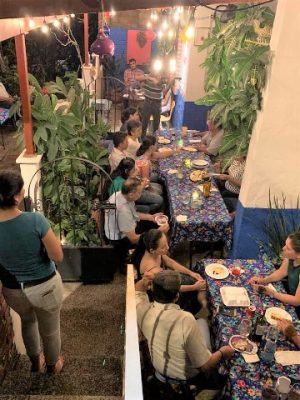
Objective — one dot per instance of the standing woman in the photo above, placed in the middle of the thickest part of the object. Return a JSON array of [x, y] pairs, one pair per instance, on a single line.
[[31, 285]]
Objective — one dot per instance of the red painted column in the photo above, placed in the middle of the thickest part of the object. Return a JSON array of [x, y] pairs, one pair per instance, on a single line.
[[86, 38], [24, 91]]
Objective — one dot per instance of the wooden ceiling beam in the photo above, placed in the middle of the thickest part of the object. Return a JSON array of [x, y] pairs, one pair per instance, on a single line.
[[35, 8]]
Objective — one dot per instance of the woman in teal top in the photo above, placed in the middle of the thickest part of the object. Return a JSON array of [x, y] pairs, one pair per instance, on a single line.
[[31, 285], [289, 268]]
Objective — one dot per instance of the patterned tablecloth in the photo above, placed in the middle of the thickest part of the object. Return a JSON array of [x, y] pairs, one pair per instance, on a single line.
[[211, 222], [4, 113], [246, 380]]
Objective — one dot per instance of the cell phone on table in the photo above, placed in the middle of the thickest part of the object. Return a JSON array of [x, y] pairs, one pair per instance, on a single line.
[[228, 311]]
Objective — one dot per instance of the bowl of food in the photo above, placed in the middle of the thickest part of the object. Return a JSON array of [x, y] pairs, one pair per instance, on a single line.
[[161, 219], [243, 345], [197, 176]]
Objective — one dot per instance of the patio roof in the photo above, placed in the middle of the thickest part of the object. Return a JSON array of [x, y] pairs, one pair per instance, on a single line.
[[22, 8]]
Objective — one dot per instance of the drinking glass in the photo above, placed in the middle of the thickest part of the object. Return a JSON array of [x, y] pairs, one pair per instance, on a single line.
[[245, 327], [236, 269]]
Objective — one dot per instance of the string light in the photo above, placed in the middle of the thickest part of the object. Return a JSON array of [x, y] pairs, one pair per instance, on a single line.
[[190, 32], [172, 65], [45, 27], [164, 25], [66, 19], [155, 17], [149, 25], [157, 65], [176, 16], [31, 23], [72, 15], [159, 34], [112, 12], [56, 23], [170, 34]]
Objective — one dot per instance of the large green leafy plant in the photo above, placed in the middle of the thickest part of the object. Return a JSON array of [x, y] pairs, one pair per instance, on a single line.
[[63, 124], [236, 70]]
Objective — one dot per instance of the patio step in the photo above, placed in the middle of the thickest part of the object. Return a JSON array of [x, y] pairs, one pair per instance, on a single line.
[[87, 378]]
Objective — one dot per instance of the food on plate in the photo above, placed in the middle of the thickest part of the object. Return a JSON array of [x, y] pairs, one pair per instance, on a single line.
[[189, 148], [217, 270], [276, 317], [242, 344], [163, 140], [197, 176]]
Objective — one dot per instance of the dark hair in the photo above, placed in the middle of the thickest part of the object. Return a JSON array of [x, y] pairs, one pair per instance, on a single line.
[[147, 142], [133, 125], [148, 241], [132, 60], [295, 238], [119, 138], [165, 286], [130, 185], [11, 183], [123, 169], [127, 112]]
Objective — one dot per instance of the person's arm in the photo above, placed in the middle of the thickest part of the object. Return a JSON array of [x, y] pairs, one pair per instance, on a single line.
[[53, 246], [276, 276], [229, 178], [180, 268], [160, 155], [288, 329], [284, 297], [132, 237], [225, 352]]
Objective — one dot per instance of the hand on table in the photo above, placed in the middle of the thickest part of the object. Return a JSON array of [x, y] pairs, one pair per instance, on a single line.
[[287, 328], [227, 352], [256, 280], [199, 285]]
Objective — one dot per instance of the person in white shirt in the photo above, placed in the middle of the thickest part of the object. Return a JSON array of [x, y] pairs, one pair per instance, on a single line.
[[5, 99], [134, 133], [211, 139], [120, 141], [178, 347]]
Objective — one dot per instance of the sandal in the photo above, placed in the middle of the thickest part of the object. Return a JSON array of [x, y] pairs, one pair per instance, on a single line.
[[57, 367], [38, 363]]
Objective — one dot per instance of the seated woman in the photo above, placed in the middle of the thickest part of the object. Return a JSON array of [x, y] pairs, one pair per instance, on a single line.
[[149, 202], [289, 268], [129, 114], [230, 183], [151, 256]]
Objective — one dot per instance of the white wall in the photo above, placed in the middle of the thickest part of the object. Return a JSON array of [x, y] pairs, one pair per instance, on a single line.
[[274, 154]]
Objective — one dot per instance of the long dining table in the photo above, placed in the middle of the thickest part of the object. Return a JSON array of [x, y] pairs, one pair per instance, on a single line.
[[246, 380], [209, 222]]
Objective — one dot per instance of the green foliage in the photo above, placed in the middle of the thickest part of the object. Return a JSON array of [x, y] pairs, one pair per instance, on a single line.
[[236, 70], [63, 124], [277, 226]]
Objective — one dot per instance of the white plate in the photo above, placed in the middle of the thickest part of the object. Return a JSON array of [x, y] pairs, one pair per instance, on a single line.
[[237, 337], [217, 271], [162, 149], [162, 140], [234, 296], [200, 163], [276, 311]]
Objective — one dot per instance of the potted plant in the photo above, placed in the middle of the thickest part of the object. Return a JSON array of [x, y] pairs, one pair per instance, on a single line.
[[66, 134]]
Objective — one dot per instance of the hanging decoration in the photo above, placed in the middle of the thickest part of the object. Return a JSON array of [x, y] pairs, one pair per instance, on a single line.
[[103, 45]]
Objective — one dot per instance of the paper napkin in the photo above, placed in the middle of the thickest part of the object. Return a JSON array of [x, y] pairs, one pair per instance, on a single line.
[[181, 218], [287, 357], [172, 171], [250, 358]]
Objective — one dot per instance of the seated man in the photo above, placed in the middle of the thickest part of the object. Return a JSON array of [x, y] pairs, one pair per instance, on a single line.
[[177, 345], [211, 140], [5, 99], [129, 114], [124, 225], [120, 141], [131, 74]]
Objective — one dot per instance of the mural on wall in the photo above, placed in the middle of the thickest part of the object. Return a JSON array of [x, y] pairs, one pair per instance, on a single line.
[[139, 45]]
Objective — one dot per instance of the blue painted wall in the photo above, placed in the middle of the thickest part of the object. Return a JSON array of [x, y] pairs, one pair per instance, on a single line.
[[248, 229], [194, 116]]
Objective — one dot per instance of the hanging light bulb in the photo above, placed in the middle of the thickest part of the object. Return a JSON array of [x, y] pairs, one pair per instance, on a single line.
[[149, 25], [157, 65], [170, 34], [190, 32], [176, 16], [31, 23], [112, 12], [72, 15], [159, 34], [180, 9], [45, 27], [164, 25], [155, 16], [66, 19], [56, 23], [173, 65]]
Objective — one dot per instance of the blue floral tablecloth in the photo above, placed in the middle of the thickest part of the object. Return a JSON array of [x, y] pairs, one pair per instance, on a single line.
[[4, 114], [211, 222], [246, 380]]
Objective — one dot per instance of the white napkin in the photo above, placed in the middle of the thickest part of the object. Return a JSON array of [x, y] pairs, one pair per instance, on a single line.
[[181, 218], [172, 171], [250, 358], [212, 189], [287, 357], [195, 141]]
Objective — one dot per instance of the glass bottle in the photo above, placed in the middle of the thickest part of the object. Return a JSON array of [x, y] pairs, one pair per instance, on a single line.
[[196, 199], [259, 328]]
